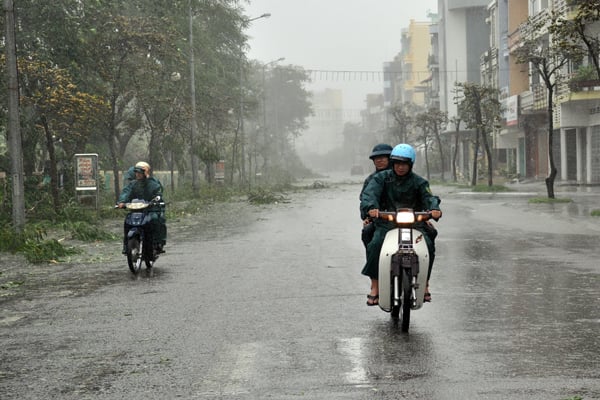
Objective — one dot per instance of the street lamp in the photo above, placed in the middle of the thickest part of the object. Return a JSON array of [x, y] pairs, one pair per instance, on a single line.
[[265, 15], [264, 110], [242, 135]]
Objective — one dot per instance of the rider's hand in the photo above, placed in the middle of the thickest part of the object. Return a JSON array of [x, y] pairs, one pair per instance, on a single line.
[[436, 214], [366, 221], [121, 205], [374, 213]]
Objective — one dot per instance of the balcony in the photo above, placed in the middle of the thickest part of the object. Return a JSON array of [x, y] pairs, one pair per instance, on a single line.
[[526, 102], [534, 100], [583, 85]]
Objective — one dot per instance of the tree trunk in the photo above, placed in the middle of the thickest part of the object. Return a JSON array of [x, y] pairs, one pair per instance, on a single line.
[[427, 161], [475, 151], [488, 155], [455, 153], [13, 128], [441, 150], [552, 176], [53, 168]]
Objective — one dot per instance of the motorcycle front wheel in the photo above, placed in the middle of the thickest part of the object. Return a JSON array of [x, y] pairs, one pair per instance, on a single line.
[[406, 301], [402, 311], [134, 255]]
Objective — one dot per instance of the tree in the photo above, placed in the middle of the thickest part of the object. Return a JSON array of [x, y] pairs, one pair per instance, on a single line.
[[14, 133], [456, 121], [480, 109], [547, 54], [577, 28], [432, 122], [63, 113], [287, 109], [404, 119]]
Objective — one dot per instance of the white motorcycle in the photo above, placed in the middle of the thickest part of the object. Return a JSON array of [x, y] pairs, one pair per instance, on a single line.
[[403, 265]]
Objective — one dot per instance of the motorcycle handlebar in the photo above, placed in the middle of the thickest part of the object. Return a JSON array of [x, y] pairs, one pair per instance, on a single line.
[[391, 215]]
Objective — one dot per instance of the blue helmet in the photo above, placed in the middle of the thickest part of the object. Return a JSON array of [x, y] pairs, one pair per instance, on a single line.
[[381, 149], [403, 152]]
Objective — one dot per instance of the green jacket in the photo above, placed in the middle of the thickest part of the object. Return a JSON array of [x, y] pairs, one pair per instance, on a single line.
[[387, 191], [145, 189], [365, 184]]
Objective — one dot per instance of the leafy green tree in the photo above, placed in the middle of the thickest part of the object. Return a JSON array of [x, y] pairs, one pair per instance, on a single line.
[[60, 111], [579, 28], [547, 55], [287, 108]]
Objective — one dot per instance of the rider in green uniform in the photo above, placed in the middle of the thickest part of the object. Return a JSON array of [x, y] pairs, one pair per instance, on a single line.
[[391, 190], [146, 187], [380, 155]]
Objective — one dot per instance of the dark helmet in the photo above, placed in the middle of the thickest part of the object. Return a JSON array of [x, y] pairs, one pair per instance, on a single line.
[[404, 153], [381, 149]]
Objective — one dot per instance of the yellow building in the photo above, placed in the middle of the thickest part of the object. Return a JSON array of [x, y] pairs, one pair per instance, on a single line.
[[416, 46]]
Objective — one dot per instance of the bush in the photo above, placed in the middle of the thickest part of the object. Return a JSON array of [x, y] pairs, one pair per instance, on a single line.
[[32, 244]]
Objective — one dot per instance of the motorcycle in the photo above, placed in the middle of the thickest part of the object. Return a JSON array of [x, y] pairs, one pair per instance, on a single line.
[[403, 265], [139, 246]]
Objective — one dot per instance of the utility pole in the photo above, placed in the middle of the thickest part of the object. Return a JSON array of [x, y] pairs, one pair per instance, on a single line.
[[194, 156], [14, 131]]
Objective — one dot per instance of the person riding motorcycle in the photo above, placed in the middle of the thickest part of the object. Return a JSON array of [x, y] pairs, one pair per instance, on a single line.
[[380, 155], [145, 187], [390, 190]]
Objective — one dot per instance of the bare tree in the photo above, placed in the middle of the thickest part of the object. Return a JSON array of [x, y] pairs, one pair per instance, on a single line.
[[480, 109], [404, 119]]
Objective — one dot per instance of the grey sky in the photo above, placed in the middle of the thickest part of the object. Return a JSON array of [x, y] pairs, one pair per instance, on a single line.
[[334, 35]]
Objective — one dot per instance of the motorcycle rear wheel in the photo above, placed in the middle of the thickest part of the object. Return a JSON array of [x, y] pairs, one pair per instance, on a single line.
[[134, 255]]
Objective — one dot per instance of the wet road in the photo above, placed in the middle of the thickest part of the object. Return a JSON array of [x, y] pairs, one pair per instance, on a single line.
[[276, 309]]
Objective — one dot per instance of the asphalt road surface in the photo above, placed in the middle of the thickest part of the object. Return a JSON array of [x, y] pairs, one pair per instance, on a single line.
[[268, 303]]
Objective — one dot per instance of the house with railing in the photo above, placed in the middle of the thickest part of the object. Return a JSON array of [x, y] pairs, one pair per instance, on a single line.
[[576, 111]]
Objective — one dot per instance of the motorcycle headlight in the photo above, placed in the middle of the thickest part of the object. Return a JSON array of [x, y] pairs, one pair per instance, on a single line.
[[405, 217], [135, 205]]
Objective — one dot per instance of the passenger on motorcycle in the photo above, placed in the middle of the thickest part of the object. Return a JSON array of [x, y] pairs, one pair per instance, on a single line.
[[147, 188], [390, 190], [380, 155]]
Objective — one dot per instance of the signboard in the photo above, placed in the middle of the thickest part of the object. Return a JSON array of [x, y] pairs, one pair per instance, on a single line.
[[511, 112], [86, 171], [86, 178]]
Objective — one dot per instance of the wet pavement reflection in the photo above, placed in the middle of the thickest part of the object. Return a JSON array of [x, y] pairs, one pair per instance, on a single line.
[[253, 302]]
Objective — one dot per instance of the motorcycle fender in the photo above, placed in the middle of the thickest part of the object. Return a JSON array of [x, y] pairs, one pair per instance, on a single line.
[[389, 248], [422, 251], [132, 233]]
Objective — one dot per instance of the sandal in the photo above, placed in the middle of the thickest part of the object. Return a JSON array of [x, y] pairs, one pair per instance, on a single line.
[[427, 297], [372, 300]]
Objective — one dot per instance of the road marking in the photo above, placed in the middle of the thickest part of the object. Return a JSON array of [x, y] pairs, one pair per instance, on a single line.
[[353, 349]]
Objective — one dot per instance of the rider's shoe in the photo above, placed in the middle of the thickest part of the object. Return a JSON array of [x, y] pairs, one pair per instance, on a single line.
[[159, 249], [124, 251]]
